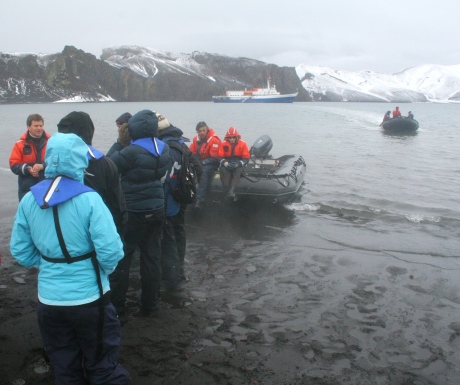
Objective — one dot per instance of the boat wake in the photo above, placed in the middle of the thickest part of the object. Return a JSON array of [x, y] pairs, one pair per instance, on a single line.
[[362, 213], [301, 206]]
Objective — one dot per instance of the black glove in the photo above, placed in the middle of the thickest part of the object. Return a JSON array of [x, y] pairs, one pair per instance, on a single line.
[[231, 166]]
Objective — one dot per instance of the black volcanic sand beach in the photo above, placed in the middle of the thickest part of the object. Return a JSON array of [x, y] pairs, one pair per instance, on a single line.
[[260, 308]]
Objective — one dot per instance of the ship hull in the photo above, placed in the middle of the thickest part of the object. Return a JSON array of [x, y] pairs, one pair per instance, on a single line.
[[255, 99]]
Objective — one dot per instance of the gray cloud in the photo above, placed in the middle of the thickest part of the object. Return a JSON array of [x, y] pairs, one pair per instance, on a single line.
[[353, 35]]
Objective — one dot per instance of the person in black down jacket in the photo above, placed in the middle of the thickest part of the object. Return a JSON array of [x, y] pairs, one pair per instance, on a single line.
[[101, 174], [143, 165]]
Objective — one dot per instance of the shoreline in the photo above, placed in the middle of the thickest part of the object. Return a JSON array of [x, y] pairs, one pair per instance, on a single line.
[[266, 309]]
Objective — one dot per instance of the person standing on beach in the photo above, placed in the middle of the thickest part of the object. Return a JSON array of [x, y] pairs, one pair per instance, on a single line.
[[122, 119], [64, 229], [28, 154], [123, 135], [205, 147], [102, 174], [174, 240], [144, 165]]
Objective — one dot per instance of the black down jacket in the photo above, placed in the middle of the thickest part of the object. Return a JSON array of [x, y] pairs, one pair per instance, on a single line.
[[143, 170]]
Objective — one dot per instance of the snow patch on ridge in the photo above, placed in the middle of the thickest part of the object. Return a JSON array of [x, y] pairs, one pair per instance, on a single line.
[[416, 84], [85, 98]]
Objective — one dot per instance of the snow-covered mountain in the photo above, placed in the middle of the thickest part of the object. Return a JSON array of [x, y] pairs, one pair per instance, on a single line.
[[423, 83], [148, 62], [132, 73]]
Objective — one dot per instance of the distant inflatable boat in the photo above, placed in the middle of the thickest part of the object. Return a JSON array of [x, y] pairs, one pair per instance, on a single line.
[[400, 125], [256, 95], [266, 179]]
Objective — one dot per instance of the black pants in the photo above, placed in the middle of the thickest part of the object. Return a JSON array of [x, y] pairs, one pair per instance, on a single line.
[[170, 268], [69, 335], [143, 230], [179, 233]]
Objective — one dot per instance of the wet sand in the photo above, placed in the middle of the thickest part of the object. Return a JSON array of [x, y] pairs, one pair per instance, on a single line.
[[262, 306]]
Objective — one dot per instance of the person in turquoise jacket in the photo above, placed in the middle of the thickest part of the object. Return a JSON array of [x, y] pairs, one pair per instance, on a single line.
[[64, 229]]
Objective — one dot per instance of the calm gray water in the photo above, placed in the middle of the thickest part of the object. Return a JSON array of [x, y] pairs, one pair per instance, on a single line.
[[365, 188], [356, 283]]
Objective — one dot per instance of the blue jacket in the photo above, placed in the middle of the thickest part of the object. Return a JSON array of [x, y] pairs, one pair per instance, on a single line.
[[86, 225], [143, 165]]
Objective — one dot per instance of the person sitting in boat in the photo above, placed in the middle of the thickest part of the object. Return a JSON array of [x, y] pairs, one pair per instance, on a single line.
[[387, 116], [233, 156], [205, 146], [396, 113], [410, 115]]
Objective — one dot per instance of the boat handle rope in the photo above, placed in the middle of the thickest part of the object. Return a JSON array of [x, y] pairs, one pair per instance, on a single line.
[[299, 162]]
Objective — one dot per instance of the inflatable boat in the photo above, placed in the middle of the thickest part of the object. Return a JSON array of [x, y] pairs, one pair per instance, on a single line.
[[400, 125], [266, 179]]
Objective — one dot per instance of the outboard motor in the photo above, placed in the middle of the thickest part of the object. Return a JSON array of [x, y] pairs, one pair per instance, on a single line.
[[261, 147]]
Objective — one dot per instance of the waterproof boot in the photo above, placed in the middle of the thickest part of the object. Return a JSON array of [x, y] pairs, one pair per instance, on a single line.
[[231, 192]]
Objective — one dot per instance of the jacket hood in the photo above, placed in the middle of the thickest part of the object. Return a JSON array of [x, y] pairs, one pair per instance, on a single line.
[[78, 123], [143, 124], [210, 133], [171, 131], [66, 154], [232, 131]]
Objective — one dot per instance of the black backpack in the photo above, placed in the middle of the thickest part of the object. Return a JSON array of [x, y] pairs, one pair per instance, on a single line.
[[187, 178]]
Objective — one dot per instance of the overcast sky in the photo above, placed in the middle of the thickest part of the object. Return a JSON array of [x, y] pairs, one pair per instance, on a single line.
[[382, 36]]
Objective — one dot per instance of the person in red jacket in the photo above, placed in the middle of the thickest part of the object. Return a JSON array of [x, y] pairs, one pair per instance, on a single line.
[[28, 155], [205, 147], [233, 156], [396, 113]]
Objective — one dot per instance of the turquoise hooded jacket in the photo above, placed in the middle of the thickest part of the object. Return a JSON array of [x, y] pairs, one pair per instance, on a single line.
[[86, 225]]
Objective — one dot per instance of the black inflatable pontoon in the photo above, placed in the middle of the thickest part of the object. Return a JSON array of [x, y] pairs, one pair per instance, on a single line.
[[266, 179], [400, 125]]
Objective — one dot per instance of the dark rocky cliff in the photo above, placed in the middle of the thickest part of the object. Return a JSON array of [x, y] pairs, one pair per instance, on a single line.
[[134, 74]]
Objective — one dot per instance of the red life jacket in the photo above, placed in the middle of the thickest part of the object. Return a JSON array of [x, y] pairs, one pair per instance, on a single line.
[[207, 148]]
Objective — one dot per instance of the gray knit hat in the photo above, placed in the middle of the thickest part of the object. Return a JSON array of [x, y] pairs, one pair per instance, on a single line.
[[163, 123]]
